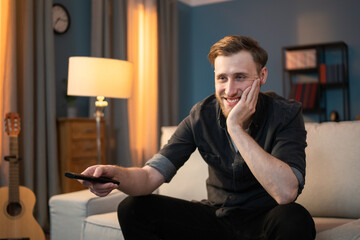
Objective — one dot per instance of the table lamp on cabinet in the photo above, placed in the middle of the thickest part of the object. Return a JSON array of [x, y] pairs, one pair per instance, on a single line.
[[100, 78]]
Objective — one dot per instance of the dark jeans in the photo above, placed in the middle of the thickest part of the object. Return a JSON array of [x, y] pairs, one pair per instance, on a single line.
[[160, 217]]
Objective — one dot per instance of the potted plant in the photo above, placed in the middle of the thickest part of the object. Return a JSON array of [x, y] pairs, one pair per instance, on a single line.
[[70, 102]]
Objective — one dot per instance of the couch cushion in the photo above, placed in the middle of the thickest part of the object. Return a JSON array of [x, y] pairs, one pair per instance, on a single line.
[[98, 226], [332, 172], [348, 231], [67, 211], [189, 183], [325, 223]]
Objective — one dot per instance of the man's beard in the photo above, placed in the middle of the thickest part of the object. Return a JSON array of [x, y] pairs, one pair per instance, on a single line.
[[224, 111]]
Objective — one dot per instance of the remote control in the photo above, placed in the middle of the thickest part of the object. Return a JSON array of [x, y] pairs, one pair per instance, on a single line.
[[90, 178]]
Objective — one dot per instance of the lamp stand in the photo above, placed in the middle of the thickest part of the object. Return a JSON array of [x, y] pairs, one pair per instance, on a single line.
[[99, 113]]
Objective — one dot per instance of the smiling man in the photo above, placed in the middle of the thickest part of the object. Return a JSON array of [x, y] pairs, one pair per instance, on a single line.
[[254, 145]]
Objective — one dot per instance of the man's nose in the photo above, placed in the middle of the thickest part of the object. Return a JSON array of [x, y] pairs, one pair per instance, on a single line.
[[230, 89]]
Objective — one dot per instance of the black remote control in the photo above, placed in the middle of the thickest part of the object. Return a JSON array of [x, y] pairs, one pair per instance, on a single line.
[[90, 178]]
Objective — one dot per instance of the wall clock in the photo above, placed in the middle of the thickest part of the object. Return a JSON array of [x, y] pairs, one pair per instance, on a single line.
[[60, 18]]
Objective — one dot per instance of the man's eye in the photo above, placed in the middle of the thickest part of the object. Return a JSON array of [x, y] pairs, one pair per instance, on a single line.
[[242, 78], [221, 78]]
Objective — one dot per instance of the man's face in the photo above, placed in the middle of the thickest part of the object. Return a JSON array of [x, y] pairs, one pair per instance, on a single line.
[[233, 74]]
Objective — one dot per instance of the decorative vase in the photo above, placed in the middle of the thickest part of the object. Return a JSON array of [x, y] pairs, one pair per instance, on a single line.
[[71, 112]]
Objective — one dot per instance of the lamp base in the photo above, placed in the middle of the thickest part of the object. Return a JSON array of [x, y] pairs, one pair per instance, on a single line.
[[99, 113]]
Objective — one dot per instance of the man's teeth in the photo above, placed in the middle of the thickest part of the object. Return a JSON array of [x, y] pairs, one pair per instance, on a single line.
[[233, 100]]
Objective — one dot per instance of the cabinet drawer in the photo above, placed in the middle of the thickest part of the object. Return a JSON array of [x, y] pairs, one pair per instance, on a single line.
[[85, 130], [80, 164], [78, 148], [77, 165], [83, 148]]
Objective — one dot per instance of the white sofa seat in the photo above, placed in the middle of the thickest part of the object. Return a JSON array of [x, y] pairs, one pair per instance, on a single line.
[[95, 227], [331, 192], [68, 211], [332, 173]]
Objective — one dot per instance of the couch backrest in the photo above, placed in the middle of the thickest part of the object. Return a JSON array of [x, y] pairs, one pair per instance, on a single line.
[[189, 181], [332, 182], [332, 186]]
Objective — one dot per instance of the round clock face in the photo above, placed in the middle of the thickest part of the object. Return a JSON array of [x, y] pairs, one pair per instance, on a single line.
[[61, 19]]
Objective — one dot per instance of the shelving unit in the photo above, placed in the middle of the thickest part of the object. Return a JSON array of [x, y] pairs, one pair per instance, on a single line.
[[310, 71]]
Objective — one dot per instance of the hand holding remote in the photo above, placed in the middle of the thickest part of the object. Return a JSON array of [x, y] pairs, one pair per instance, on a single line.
[[90, 178]]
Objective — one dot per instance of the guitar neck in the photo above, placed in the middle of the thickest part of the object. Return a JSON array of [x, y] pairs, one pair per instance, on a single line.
[[14, 170]]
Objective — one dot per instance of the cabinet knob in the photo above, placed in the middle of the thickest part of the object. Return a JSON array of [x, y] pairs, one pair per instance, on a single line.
[[89, 130], [89, 148]]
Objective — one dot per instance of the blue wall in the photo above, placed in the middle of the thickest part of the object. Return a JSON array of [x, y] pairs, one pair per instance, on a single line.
[[75, 42], [274, 23]]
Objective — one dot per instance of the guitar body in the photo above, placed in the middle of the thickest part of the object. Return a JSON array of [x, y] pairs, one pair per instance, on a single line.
[[17, 202], [19, 223]]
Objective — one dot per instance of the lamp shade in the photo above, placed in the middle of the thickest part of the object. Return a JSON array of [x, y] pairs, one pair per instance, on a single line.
[[92, 76]]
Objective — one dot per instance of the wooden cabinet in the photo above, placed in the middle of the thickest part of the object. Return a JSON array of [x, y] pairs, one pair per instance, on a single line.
[[78, 148]]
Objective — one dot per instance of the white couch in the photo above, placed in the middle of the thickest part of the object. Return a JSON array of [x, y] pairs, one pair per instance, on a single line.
[[331, 193]]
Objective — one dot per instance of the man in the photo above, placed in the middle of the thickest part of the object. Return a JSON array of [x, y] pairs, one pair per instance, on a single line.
[[254, 144]]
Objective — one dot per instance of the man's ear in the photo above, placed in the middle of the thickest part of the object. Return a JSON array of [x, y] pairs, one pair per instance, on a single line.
[[263, 75]]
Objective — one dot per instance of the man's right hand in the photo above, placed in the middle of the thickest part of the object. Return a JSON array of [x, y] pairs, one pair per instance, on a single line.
[[134, 181], [101, 189]]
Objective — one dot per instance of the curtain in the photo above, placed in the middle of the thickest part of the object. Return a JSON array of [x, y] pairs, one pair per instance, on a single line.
[[142, 51], [5, 88], [108, 39], [168, 63], [29, 89], [145, 33]]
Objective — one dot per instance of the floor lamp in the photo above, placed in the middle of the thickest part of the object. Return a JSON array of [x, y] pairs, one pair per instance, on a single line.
[[100, 78]]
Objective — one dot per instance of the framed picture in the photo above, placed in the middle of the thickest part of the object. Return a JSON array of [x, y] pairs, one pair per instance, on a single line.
[[300, 59]]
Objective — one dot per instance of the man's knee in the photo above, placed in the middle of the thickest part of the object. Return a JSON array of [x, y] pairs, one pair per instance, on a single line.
[[125, 210], [129, 203], [136, 217], [290, 220], [130, 207]]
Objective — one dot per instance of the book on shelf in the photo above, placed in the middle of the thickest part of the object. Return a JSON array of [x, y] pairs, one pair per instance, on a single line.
[[322, 73], [306, 93], [313, 95], [331, 73]]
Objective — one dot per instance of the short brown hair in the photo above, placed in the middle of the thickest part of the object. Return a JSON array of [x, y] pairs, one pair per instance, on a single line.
[[235, 43]]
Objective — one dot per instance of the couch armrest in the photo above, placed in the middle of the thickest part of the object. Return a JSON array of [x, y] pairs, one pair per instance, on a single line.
[[67, 211]]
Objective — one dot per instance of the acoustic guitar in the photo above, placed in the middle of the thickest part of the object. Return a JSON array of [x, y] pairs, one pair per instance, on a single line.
[[17, 202]]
